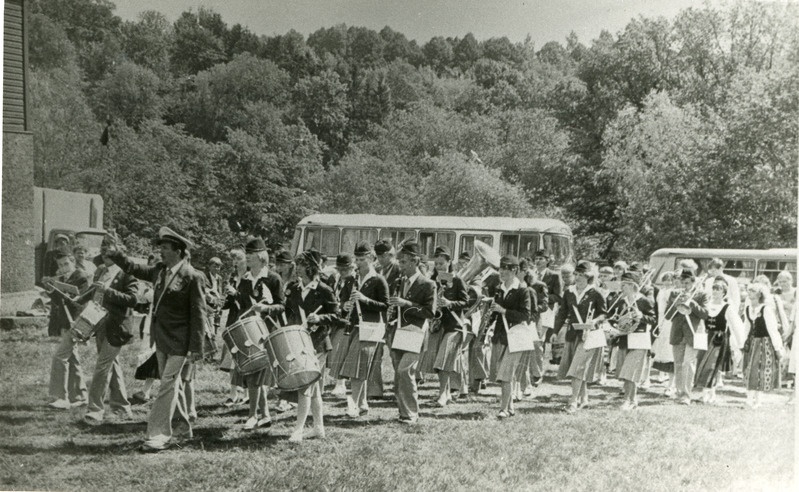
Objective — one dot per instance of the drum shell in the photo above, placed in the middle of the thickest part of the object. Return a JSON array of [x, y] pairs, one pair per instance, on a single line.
[[294, 360], [244, 339], [86, 324]]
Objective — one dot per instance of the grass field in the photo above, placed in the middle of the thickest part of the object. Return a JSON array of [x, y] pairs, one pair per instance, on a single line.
[[660, 446]]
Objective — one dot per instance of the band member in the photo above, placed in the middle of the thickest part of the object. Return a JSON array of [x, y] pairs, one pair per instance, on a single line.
[[533, 370], [414, 307], [453, 299], [81, 262], [725, 334], [639, 310], [480, 350], [147, 369], [235, 306], [715, 269], [214, 292], [511, 306], [388, 267], [178, 327], [365, 300], [463, 260], [344, 280], [261, 289], [687, 309], [284, 266], [312, 304], [117, 292], [61, 247], [433, 337], [582, 306], [763, 349], [67, 387]]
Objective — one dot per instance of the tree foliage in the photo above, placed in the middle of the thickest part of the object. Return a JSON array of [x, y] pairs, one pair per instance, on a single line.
[[674, 132]]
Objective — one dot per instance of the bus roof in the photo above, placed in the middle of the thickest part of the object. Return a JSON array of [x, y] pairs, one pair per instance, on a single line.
[[728, 253], [437, 222]]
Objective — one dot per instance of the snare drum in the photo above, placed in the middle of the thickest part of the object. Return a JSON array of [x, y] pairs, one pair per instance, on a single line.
[[86, 324], [294, 360], [244, 340]]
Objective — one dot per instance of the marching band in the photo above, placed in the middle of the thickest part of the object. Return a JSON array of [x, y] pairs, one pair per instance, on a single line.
[[479, 318]]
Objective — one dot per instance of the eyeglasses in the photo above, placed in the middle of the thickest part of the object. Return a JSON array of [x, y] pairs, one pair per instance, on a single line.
[[505, 267], [718, 287]]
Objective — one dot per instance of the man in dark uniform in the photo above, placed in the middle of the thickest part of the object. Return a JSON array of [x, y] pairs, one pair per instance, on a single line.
[[66, 377], [178, 327], [415, 305], [387, 266]]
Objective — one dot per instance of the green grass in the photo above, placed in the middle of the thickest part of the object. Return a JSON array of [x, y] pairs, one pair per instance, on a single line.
[[660, 446]]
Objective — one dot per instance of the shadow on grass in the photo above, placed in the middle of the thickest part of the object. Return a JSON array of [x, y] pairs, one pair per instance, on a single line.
[[476, 415]]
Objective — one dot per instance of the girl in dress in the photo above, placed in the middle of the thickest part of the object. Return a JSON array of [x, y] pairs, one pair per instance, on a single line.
[[632, 368], [725, 333], [763, 347], [582, 305], [511, 306]]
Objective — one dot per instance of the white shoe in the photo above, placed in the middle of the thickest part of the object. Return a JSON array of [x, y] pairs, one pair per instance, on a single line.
[[296, 436], [251, 423], [264, 422], [528, 391], [61, 404], [340, 389], [93, 417], [353, 412], [283, 406]]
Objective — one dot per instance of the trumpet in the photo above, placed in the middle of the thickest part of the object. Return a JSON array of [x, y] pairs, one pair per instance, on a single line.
[[391, 313]]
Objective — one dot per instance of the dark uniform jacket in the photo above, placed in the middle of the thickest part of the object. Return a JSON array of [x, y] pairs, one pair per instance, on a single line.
[[319, 297], [267, 286], [681, 332], [373, 309], [59, 322], [554, 285], [591, 300], [457, 293], [391, 273], [119, 299], [178, 324], [645, 306], [422, 295], [517, 305]]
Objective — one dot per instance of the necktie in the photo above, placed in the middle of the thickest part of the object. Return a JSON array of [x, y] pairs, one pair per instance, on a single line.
[[406, 285]]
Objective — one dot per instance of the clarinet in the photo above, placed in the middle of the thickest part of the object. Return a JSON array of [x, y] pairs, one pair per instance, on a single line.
[[356, 280], [394, 291]]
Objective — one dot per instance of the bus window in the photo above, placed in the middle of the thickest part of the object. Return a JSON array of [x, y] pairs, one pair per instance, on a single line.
[[427, 243], [529, 245], [736, 268], [467, 242], [311, 238], [396, 236], [446, 239], [295, 241], [330, 241], [509, 244], [350, 237], [772, 268], [558, 248]]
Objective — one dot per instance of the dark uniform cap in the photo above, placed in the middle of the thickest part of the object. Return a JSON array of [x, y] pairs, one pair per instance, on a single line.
[[255, 245], [165, 234], [541, 253], [383, 246], [606, 269], [362, 248], [315, 255], [508, 261], [465, 256], [583, 267], [284, 257], [442, 250], [686, 273], [410, 247], [631, 277], [344, 260]]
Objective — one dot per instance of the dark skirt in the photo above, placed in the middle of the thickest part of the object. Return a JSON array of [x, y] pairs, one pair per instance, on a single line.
[[716, 359], [762, 371], [148, 369], [360, 358], [427, 358], [341, 343], [449, 353]]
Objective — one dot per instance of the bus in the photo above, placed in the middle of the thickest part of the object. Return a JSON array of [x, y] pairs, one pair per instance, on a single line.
[[332, 234], [743, 264]]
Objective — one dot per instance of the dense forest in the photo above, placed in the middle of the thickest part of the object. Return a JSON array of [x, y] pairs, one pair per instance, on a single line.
[[679, 132]]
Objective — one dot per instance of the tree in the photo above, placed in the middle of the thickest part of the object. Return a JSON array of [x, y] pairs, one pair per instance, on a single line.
[[195, 48], [321, 102], [217, 97], [130, 93], [467, 52], [147, 42], [458, 185], [49, 46], [438, 53]]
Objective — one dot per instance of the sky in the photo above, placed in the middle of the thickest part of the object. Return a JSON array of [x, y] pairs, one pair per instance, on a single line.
[[543, 20]]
